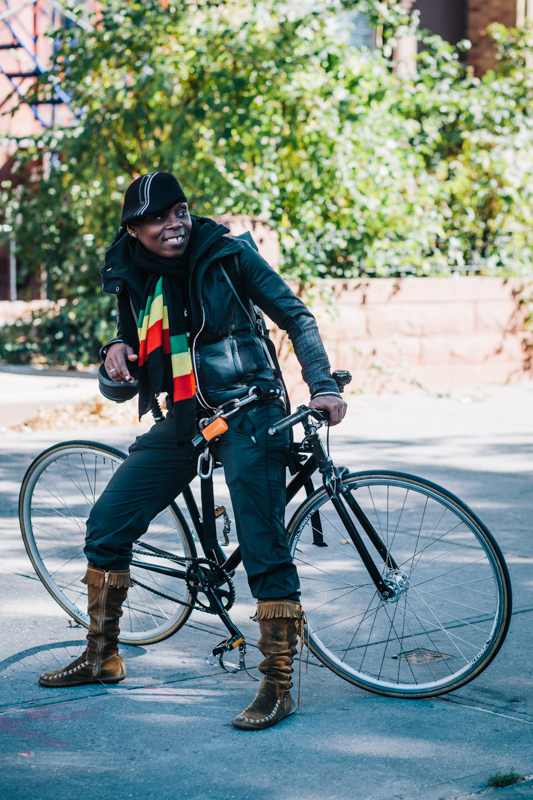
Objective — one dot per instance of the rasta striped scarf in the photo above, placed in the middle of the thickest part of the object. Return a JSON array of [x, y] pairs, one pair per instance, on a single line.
[[165, 363], [156, 344]]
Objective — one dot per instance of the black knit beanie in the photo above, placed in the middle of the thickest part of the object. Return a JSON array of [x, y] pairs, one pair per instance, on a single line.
[[150, 194]]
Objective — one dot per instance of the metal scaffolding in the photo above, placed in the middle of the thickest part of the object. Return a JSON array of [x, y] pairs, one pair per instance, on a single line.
[[25, 25]]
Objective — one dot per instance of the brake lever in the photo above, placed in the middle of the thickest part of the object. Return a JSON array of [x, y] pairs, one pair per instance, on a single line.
[[319, 415]]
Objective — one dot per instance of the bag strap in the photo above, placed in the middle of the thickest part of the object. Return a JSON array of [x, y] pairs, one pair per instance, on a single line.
[[256, 322], [209, 528], [234, 290], [257, 325]]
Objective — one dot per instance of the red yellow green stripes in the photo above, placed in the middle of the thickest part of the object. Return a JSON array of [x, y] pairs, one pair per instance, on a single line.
[[154, 333]]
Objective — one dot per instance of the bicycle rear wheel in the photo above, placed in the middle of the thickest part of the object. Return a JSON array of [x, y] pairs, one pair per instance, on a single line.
[[57, 494], [452, 594]]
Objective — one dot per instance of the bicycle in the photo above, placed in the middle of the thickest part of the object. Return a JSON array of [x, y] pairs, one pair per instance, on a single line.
[[406, 591]]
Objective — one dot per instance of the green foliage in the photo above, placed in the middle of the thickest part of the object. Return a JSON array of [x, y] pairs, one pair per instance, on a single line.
[[69, 336], [260, 109], [501, 779], [476, 139], [255, 111]]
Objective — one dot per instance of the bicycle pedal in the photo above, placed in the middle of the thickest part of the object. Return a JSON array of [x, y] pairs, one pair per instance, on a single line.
[[228, 644]]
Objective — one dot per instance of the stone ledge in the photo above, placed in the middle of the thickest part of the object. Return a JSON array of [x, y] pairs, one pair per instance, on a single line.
[[11, 310], [439, 333]]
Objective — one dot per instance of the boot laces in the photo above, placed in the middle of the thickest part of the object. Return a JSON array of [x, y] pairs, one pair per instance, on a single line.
[[302, 626]]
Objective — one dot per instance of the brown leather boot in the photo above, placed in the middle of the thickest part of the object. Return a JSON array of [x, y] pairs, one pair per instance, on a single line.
[[279, 622], [100, 663]]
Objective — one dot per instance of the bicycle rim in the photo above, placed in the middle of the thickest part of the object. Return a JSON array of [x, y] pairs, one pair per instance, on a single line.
[[57, 495], [452, 602]]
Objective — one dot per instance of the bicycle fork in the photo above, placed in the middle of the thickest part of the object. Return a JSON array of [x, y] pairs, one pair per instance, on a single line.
[[381, 584], [387, 587]]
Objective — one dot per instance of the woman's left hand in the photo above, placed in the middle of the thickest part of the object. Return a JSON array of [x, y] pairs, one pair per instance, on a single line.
[[334, 405]]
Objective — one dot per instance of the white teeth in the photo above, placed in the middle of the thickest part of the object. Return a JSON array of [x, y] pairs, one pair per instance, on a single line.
[[176, 239]]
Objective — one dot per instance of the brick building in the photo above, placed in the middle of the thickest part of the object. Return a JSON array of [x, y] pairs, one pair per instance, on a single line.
[[468, 19], [454, 20]]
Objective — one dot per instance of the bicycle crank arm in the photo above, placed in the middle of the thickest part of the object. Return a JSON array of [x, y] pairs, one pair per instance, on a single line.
[[218, 608], [366, 558]]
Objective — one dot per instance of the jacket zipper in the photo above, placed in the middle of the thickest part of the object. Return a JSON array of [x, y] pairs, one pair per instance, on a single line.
[[202, 399], [100, 647]]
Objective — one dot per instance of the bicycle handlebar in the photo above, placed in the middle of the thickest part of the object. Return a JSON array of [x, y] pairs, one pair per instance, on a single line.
[[299, 416]]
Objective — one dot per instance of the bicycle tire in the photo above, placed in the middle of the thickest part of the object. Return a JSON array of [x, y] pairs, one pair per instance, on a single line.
[[410, 662], [57, 492]]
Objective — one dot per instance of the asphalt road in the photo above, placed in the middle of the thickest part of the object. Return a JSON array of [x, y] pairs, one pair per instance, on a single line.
[[166, 732]]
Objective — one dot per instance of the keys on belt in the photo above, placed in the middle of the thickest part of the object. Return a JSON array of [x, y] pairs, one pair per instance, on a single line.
[[216, 425]]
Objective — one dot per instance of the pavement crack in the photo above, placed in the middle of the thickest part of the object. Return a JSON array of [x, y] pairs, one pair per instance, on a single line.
[[456, 702], [489, 789]]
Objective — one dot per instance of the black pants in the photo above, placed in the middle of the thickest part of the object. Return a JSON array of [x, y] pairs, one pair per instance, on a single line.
[[157, 470]]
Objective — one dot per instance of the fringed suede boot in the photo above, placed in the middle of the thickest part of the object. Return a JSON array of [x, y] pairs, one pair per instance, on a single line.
[[279, 622], [100, 663]]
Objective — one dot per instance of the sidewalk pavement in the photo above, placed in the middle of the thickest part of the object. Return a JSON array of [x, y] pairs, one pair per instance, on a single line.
[[24, 391], [166, 731]]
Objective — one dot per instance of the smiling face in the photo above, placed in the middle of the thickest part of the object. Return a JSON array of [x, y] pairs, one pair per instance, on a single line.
[[165, 233]]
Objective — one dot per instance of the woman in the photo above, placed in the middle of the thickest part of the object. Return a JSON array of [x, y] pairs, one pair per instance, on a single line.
[[183, 286]]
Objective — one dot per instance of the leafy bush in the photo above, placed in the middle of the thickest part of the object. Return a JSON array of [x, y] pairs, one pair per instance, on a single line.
[[260, 110], [68, 336]]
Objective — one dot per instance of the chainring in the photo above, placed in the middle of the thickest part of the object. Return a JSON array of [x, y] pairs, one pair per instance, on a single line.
[[215, 578]]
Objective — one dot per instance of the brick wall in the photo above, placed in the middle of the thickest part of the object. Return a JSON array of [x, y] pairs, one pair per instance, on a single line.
[[481, 14], [435, 333]]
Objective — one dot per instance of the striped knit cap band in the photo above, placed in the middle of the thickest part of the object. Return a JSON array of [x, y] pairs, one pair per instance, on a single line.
[[150, 194]]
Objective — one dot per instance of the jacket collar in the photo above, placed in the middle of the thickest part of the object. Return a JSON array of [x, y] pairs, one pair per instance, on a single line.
[[225, 246], [118, 265]]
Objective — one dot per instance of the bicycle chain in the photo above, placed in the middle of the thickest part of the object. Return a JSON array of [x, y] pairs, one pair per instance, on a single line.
[[162, 594], [168, 556], [182, 559]]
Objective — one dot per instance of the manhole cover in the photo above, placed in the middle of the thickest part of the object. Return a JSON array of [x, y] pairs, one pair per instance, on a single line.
[[422, 656]]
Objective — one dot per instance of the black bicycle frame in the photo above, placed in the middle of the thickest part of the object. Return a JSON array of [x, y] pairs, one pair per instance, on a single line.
[[339, 494], [214, 602]]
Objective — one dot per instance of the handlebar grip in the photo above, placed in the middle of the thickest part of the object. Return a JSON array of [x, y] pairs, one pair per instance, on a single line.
[[294, 419]]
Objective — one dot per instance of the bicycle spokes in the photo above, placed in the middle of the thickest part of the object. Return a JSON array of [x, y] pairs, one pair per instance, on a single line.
[[448, 601]]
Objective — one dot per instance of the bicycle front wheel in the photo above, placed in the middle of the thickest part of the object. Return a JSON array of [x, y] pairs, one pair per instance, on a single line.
[[57, 494], [452, 595]]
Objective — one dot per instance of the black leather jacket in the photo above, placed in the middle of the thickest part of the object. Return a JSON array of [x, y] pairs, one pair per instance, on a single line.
[[227, 353]]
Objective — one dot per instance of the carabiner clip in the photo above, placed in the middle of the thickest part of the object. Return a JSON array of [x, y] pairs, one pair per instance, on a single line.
[[205, 459]]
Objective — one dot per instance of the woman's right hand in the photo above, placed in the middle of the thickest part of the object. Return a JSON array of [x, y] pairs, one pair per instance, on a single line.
[[116, 362]]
